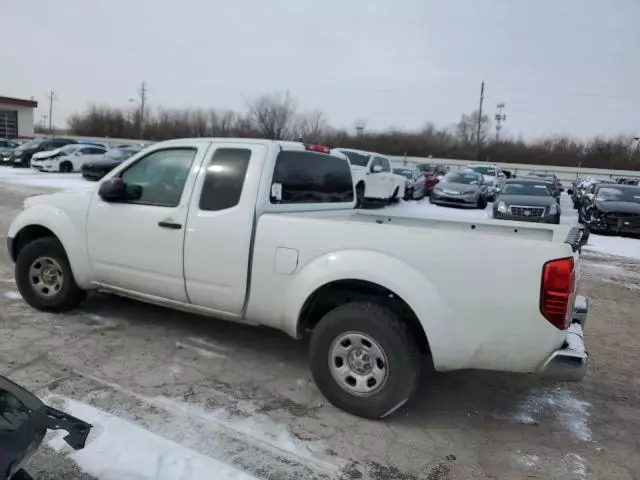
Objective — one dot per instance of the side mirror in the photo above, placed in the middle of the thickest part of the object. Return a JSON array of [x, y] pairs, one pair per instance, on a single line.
[[113, 190], [376, 168]]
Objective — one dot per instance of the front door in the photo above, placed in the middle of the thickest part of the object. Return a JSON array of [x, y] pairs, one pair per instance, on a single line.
[[138, 244], [376, 182]]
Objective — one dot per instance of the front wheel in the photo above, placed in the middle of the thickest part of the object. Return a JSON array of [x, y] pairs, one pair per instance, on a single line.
[[364, 359], [482, 202], [359, 196], [44, 277]]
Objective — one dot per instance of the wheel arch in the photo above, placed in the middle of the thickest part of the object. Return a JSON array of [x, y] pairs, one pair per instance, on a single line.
[[376, 276], [47, 221]]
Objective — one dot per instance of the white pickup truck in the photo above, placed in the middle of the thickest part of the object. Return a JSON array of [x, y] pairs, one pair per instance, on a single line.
[[373, 177], [264, 232]]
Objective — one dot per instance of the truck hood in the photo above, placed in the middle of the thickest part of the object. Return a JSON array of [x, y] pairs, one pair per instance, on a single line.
[[46, 154], [63, 198], [618, 207]]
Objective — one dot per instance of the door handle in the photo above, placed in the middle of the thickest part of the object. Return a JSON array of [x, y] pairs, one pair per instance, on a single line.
[[170, 225]]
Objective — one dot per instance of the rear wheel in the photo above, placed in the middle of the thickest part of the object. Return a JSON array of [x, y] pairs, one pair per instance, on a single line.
[[364, 359], [394, 197], [482, 202], [66, 167], [408, 194], [44, 277]]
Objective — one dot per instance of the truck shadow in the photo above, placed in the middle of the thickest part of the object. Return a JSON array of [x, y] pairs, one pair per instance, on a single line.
[[442, 398]]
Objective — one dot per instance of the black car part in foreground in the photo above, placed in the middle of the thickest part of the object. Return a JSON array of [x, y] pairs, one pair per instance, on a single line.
[[24, 420]]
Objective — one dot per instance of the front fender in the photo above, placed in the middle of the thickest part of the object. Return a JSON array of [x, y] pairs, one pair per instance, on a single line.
[[70, 235], [384, 270]]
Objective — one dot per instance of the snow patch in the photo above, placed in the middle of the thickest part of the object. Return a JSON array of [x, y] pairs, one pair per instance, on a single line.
[[200, 351], [33, 178], [117, 450], [569, 411], [619, 246], [527, 461], [13, 295], [573, 466], [259, 428]]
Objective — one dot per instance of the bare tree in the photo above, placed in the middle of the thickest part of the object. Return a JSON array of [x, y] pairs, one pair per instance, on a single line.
[[273, 114], [467, 128], [311, 126]]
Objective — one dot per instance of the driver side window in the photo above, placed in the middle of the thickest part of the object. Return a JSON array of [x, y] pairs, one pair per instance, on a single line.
[[159, 178]]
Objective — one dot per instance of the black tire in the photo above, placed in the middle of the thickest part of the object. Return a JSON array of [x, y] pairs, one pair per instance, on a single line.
[[68, 297], [482, 202], [360, 195], [408, 194], [401, 352], [394, 197], [66, 167]]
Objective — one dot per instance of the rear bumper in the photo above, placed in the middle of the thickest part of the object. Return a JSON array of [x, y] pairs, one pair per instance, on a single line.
[[569, 364]]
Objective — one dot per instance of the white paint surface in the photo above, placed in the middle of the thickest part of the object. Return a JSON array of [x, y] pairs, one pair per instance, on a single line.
[[119, 450]]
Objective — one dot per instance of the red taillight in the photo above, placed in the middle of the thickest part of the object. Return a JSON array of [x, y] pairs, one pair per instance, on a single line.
[[558, 283], [317, 148]]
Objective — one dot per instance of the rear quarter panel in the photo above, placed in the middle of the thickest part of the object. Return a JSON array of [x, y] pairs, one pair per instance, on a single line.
[[476, 294]]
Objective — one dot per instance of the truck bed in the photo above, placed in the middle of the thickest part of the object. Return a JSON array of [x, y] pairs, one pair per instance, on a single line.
[[473, 284]]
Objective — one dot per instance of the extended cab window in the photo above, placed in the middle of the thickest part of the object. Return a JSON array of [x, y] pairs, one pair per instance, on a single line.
[[224, 178], [309, 177], [159, 178]]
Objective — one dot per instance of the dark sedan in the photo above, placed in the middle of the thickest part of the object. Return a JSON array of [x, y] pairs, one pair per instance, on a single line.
[[415, 184], [526, 201], [612, 209], [103, 164]]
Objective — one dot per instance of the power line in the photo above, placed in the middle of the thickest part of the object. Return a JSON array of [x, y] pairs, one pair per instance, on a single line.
[[480, 118], [143, 100], [52, 98], [500, 117]]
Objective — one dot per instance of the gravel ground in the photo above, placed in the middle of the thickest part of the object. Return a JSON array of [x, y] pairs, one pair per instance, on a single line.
[[244, 396]]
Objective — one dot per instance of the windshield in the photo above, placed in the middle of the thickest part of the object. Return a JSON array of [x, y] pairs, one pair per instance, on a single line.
[[490, 171], [428, 168], [31, 144], [119, 153], [69, 149], [356, 158], [616, 194], [457, 177], [532, 189], [405, 172]]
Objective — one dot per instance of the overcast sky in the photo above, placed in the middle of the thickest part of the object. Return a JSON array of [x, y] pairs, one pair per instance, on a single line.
[[561, 66]]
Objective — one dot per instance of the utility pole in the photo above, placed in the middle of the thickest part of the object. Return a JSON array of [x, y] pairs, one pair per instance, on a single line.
[[143, 100], [52, 98], [480, 119], [44, 121], [500, 117]]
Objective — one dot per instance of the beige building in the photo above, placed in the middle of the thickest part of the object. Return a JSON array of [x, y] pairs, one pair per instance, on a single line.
[[16, 117]]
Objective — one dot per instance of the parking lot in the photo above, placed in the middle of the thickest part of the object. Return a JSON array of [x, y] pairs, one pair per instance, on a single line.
[[173, 395]]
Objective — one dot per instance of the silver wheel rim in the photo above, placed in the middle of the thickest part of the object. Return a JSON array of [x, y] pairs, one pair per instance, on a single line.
[[45, 276], [358, 364]]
